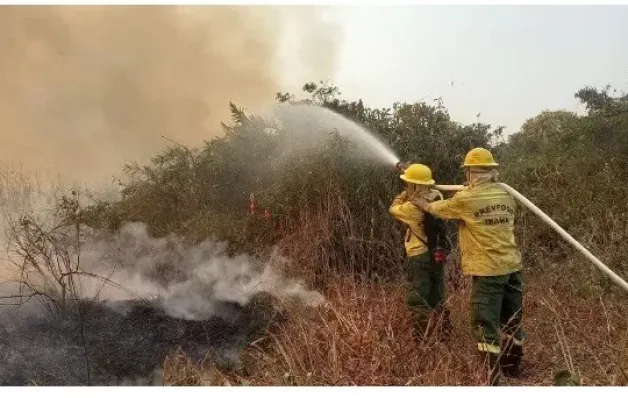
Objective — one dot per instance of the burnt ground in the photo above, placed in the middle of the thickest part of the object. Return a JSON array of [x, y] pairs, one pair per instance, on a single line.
[[117, 343]]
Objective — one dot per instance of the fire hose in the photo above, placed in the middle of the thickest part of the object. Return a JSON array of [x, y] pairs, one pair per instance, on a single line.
[[530, 206]]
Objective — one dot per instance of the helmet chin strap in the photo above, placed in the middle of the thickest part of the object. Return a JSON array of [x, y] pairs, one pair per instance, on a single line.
[[421, 188], [416, 189]]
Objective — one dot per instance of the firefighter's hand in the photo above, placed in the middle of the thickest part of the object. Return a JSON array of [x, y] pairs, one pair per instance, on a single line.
[[421, 203], [402, 166], [440, 255]]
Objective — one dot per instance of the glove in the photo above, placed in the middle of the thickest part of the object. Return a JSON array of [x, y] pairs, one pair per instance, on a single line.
[[402, 166], [440, 256], [420, 202]]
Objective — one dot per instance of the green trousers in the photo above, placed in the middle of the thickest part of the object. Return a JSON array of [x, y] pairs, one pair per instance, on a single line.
[[497, 305], [427, 288]]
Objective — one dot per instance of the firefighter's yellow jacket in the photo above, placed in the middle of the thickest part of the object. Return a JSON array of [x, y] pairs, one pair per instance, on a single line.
[[406, 212], [486, 215]]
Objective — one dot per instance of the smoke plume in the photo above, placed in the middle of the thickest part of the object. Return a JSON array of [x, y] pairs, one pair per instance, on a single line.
[[85, 88], [151, 296], [189, 280]]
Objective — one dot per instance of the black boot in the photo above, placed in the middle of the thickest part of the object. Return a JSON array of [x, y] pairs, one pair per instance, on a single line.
[[447, 326], [494, 369], [422, 329], [510, 361], [418, 335], [490, 365], [442, 324]]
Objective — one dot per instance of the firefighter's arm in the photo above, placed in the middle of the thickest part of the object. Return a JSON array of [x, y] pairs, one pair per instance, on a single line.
[[449, 209], [399, 199], [403, 210]]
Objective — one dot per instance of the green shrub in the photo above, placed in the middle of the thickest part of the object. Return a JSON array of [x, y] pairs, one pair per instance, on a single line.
[[575, 168]]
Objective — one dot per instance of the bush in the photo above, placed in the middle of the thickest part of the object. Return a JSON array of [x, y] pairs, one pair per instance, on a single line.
[[205, 192], [561, 161], [575, 169]]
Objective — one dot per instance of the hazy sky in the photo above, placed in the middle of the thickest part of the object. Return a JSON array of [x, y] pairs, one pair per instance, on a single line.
[[506, 62], [123, 77]]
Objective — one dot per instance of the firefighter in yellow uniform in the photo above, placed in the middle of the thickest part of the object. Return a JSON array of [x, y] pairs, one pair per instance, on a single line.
[[486, 214], [425, 245]]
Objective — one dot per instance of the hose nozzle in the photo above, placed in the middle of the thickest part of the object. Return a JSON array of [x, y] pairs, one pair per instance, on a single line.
[[402, 166]]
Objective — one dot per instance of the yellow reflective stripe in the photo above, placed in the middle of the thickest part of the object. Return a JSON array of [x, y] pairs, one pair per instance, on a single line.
[[492, 348]]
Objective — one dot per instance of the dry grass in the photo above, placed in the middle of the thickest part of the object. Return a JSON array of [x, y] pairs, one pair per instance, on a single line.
[[363, 337]]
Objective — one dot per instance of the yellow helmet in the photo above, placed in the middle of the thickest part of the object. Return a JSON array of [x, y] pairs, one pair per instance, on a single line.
[[418, 174], [479, 157]]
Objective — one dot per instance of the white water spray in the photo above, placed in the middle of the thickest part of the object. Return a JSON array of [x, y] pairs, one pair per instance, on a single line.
[[310, 125]]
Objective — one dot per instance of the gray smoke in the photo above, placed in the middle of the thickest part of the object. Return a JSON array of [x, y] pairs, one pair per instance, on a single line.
[[189, 280], [161, 294], [84, 89]]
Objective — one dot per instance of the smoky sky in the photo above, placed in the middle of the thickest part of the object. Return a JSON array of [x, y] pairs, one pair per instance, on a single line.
[[84, 89]]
